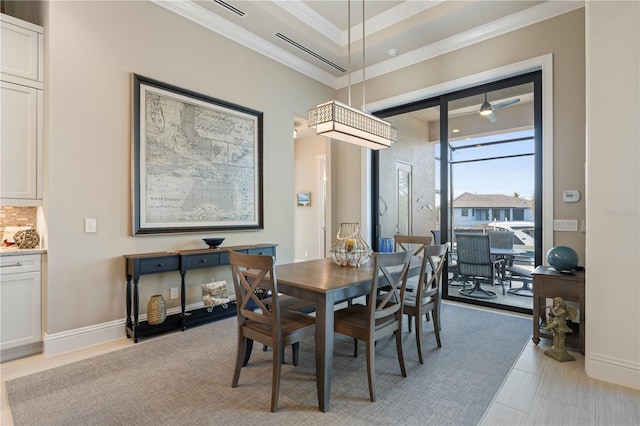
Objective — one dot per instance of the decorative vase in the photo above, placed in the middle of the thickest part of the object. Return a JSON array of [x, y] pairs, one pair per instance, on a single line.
[[350, 249], [562, 259], [156, 310]]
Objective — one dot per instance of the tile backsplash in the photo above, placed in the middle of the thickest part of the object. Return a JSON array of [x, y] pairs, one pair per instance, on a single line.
[[18, 216]]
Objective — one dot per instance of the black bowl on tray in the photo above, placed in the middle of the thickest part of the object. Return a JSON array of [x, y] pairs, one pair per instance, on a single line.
[[213, 243]]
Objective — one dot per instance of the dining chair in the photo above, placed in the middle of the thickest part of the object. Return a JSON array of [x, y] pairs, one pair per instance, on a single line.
[[379, 317], [418, 244], [422, 296], [293, 304], [271, 326], [452, 264], [475, 264]]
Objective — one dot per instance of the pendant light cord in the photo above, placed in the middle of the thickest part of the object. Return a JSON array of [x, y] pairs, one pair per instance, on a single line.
[[349, 44], [363, 64]]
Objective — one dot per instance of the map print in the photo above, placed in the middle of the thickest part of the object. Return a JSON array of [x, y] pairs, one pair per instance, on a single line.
[[199, 164]]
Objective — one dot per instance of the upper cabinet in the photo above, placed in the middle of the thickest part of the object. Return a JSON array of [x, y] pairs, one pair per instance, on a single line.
[[21, 123]]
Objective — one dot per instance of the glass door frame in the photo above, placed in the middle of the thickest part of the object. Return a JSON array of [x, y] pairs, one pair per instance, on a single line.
[[442, 102]]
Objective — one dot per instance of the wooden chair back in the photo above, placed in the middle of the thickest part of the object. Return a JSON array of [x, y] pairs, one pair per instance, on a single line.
[[390, 303]]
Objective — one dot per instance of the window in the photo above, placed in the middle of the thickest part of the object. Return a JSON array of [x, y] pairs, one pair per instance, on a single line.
[[465, 212]]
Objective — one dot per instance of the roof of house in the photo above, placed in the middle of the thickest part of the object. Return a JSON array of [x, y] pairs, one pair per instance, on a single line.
[[469, 200]]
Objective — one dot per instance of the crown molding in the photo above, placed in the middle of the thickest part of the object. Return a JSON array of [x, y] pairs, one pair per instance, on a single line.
[[481, 33], [213, 22]]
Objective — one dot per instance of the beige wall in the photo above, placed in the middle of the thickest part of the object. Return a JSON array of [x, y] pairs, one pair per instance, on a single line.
[[613, 197], [91, 49], [563, 37]]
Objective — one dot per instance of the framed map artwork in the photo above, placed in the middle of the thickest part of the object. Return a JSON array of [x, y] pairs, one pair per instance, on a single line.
[[197, 162]]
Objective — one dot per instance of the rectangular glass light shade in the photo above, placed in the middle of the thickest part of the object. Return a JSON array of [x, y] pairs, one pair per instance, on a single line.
[[338, 121]]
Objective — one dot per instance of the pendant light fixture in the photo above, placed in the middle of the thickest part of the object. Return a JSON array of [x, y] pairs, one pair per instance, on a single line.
[[342, 122]]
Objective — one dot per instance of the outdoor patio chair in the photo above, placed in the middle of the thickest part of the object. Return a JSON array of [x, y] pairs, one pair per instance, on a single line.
[[475, 264]]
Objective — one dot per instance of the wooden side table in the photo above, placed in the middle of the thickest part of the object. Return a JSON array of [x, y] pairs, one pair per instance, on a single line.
[[548, 283]]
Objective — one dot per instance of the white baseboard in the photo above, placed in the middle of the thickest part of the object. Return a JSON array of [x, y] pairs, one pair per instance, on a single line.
[[71, 340], [618, 371]]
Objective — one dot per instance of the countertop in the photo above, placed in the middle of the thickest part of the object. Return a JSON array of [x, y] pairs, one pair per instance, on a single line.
[[15, 251]]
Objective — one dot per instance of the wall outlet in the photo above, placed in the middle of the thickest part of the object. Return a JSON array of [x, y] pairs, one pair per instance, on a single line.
[[174, 292], [306, 253]]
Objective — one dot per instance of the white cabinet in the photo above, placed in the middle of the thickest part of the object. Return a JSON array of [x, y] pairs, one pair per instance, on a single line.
[[21, 112], [20, 305]]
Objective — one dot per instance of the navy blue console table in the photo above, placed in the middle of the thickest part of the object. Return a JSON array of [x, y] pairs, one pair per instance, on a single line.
[[178, 261]]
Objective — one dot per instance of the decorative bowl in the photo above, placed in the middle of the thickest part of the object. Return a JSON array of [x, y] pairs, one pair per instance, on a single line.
[[562, 259], [213, 243]]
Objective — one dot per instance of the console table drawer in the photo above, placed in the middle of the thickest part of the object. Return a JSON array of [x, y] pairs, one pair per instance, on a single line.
[[205, 260], [263, 250], [159, 264]]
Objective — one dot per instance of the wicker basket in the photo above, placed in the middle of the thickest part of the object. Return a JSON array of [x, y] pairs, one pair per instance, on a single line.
[[156, 310]]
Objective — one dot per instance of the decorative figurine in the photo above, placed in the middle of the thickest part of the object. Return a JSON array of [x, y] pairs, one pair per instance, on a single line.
[[559, 312]]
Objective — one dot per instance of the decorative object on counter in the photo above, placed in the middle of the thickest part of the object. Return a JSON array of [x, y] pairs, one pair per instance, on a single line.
[[562, 259], [10, 231], [559, 313], [213, 243], [215, 293], [27, 239], [156, 310], [350, 249]]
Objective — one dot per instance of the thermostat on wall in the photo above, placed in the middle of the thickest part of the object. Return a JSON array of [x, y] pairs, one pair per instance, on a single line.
[[570, 196]]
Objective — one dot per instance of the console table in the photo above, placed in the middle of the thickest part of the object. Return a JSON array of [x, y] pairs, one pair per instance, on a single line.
[[548, 283], [178, 261]]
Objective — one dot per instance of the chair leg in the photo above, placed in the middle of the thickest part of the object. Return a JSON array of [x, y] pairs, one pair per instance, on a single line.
[[436, 324], [275, 380], [247, 352], [371, 369], [419, 337], [242, 347], [355, 347], [398, 334], [409, 322], [295, 352]]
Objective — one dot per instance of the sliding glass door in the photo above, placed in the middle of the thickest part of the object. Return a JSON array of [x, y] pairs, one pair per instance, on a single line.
[[475, 166]]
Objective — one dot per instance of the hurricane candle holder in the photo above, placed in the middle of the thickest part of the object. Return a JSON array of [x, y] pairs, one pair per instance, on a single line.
[[350, 249]]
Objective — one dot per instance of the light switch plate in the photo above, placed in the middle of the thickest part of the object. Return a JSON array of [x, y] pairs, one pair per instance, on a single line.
[[90, 225]]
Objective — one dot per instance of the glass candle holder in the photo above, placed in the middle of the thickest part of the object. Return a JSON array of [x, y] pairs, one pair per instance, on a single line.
[[350, 249]]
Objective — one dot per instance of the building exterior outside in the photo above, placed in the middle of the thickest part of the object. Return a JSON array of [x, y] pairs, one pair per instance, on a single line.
[[481, 209]]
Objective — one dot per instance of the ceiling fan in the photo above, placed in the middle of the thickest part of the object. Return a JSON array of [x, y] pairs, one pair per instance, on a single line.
[[487, 110]]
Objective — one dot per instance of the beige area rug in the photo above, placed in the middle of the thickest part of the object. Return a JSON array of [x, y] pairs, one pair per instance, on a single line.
[[184, 378]]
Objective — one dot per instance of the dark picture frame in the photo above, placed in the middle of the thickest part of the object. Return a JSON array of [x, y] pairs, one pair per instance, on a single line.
[[197, 162]]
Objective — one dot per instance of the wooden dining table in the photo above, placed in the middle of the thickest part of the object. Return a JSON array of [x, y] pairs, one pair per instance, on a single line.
[[327, 283]]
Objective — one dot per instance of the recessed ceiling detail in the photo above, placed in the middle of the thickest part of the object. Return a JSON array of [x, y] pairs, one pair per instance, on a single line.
[[309, 52], [231, 8]]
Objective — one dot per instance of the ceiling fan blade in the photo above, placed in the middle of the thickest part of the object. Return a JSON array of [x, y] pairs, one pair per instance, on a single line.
[[505, 103], [491, 117]]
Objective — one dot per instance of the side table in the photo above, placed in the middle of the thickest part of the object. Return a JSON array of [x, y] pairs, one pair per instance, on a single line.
[[547, 284]]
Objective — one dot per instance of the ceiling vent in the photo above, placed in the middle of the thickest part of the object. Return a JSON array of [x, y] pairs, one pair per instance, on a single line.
[[309, 52], [231, 8]]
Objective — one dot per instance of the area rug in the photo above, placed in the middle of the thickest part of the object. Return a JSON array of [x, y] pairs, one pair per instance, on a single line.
[[184, 378]]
